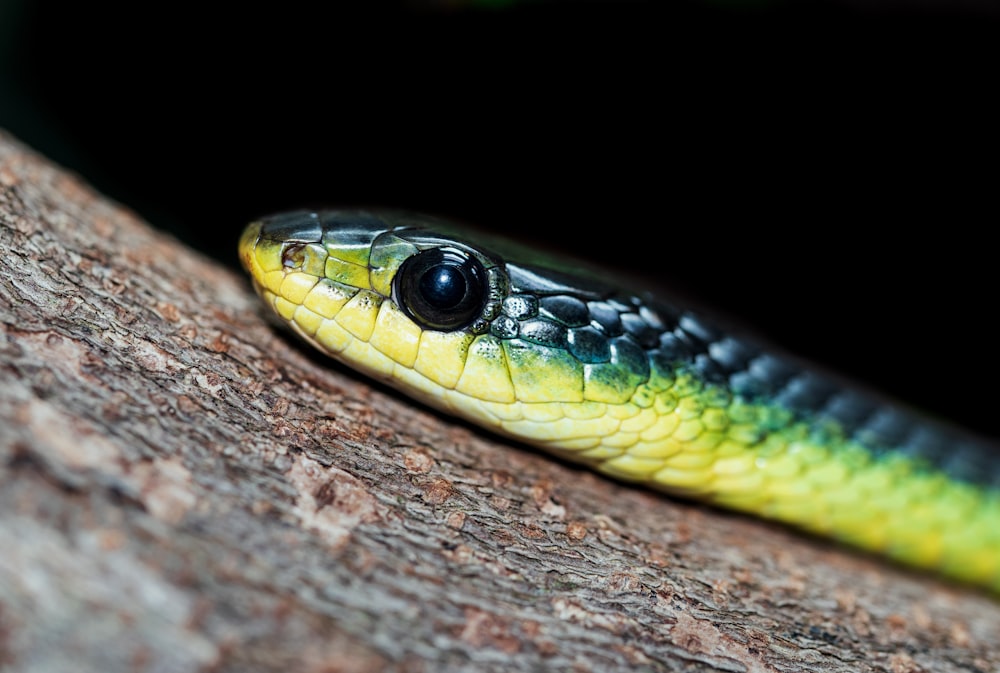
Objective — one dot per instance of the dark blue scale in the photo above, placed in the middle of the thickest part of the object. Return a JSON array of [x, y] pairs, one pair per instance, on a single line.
[[605, 317], [589, 345], [504, 327], [630, 355], [640, 330], [520, 306], [544, 333], [566, 310]]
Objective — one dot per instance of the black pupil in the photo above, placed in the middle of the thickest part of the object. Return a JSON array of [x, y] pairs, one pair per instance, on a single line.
[[441, 289], [443, 286]]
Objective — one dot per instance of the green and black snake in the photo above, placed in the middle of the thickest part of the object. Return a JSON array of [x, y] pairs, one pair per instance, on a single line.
[[637, 388]]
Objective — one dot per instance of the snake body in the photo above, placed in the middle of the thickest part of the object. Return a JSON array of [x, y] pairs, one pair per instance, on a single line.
[[637, 388]]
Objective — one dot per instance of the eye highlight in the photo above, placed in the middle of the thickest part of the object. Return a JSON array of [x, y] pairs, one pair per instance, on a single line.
[[441, 289]]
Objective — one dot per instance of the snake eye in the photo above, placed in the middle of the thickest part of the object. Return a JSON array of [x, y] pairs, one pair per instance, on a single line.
[[441, 289]]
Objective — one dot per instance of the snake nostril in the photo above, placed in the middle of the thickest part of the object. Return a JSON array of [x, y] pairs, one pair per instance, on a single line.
[[293, 255]]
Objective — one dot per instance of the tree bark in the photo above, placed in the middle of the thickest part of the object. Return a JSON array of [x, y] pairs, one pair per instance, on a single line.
[[185, 488]]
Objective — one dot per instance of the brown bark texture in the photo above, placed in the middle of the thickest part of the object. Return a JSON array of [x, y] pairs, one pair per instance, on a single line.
[[185, 488]]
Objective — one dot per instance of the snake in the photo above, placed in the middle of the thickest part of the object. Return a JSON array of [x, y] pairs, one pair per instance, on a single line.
[[550, 352]]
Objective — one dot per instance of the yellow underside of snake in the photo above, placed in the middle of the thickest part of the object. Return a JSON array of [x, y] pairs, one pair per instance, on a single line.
[[634, 387]]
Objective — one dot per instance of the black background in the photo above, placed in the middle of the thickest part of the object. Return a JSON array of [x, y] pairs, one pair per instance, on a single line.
[[823, 172]]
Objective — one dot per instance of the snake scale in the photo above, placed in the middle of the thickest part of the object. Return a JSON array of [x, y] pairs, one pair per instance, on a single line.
[[637, 388]]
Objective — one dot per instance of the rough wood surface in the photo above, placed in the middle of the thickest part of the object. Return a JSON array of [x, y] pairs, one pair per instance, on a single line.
[[184, 488]]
